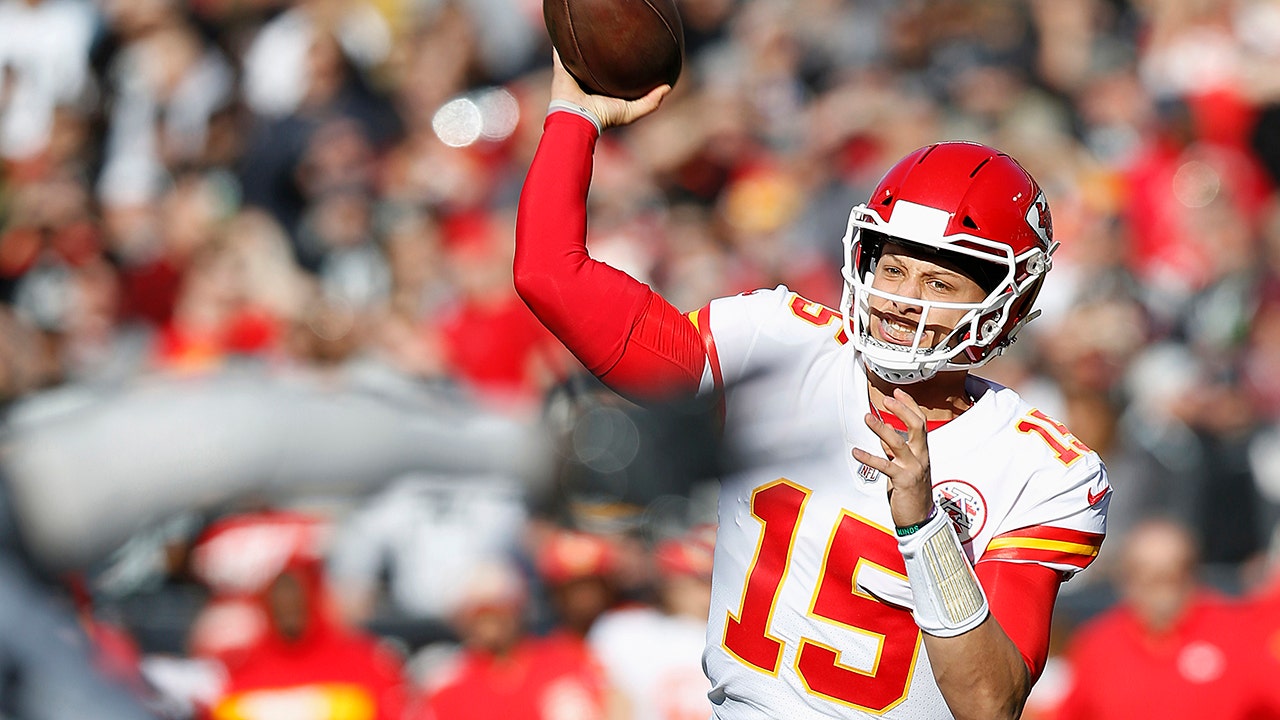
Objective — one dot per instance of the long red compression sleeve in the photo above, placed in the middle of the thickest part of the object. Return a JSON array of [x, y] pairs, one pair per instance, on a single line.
[[1022, 597], [622, 331]]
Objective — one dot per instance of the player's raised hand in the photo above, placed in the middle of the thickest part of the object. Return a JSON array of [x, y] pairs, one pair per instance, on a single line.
[[906, 461], [610, 111]]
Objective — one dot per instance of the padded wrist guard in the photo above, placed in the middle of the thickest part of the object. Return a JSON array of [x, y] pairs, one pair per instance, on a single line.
[[948, 597]]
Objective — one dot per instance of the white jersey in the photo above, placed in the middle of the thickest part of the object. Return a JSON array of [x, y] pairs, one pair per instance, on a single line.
[[810, 609]]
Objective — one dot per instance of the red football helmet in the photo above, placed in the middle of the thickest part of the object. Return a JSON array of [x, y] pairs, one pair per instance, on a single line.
[[975, 206]]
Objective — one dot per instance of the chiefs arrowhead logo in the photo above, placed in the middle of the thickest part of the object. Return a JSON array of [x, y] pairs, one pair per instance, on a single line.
[[1039, 219], [964, 504]]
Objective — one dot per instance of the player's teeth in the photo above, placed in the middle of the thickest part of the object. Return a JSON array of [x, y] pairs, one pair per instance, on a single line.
[[898, 330]]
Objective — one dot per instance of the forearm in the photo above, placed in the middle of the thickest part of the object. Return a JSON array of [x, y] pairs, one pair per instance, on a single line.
[[981, 673], [553, 272], [982, 670], [620, 329]]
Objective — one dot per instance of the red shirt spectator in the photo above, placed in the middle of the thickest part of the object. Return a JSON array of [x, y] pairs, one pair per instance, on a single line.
[[491, 341], [538, 679], [1197, 668], [1170, 650], [503, 673], [1263, 615], [305, 664]]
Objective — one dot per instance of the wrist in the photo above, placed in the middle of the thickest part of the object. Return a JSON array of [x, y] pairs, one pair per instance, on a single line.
[[913, 528], [558, 105]]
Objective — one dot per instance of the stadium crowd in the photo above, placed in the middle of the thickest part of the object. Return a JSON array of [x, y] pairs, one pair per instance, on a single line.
[[325, 189]]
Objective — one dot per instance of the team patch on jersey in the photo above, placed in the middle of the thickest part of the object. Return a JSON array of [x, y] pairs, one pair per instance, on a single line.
[[964, 504]]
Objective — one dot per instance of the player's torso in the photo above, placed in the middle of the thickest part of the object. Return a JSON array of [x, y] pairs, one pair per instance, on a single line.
[[810, 604]]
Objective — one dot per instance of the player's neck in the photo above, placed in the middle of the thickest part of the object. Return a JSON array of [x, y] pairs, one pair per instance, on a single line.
[[942, 397]]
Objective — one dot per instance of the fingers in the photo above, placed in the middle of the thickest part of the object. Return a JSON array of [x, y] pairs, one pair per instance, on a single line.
[[874, 461], [902, 405], [905, 454], [610, 111], [648, 103]]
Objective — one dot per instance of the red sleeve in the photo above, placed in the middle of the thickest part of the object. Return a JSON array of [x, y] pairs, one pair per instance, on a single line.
[[1021, 596], [619, 328]]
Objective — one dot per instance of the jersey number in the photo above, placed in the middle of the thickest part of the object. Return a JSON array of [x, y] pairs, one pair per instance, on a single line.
[[1065, 446], [855, 544]]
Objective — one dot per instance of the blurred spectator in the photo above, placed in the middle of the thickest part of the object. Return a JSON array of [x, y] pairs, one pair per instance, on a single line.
[[578, 571], [491, 342], [1172, 649], [44, 68], [1262, 603], [504, 673], [278, 64], [167, 85], [417, 538], [304, 662], [295, 160], [653, 654]]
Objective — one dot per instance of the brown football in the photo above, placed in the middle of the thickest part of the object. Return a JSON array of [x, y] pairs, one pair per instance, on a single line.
[[622, 48]]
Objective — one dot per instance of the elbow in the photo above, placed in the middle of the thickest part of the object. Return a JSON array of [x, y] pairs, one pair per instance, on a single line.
[[530, 283], [526, 281]]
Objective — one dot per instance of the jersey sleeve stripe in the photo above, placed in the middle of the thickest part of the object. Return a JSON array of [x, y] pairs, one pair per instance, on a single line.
[[1043, 556], [1045, 544], [1040, 544]]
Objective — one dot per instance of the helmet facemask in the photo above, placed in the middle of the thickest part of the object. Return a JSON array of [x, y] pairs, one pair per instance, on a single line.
[[985, 328]]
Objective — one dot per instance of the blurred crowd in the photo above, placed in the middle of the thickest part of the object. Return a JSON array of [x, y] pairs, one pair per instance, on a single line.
[[325, 189]]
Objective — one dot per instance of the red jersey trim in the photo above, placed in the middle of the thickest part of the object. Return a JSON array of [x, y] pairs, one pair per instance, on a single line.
[[896, 422], [701, 319]]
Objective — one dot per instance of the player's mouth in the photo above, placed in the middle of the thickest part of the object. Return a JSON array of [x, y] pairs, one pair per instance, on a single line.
[[896, 331]]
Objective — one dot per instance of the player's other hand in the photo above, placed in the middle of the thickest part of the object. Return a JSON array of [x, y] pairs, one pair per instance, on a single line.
[[906, 461], [610, 111]]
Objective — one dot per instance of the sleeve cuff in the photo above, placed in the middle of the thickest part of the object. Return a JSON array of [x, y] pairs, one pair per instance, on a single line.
[[566, 106]]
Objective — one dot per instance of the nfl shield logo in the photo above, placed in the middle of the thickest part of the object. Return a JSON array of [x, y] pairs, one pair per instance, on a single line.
[[868, 473]]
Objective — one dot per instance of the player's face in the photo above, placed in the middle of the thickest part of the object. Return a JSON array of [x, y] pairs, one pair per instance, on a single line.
[[910, 273]]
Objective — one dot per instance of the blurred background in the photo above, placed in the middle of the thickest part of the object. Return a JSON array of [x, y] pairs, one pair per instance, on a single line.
[[270, 400]]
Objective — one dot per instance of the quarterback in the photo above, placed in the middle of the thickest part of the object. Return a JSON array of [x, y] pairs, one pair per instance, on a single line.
[[893, 536]]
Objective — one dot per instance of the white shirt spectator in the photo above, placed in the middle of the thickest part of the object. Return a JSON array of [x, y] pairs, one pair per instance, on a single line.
[[44, 63]]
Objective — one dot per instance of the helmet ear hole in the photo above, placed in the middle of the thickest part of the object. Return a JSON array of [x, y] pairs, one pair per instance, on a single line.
[[989, 330], [969, 223]]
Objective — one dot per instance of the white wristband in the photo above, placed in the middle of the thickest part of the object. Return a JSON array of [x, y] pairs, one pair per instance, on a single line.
[[566, 106], [949, 600]]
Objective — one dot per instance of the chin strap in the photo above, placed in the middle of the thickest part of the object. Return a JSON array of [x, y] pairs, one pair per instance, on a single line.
[[949, 600]]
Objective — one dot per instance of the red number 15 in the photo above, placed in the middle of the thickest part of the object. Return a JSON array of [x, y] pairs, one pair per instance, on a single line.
[[855, 543]]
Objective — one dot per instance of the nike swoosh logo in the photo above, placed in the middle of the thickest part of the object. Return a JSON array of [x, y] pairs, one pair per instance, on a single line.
[[1093, 499]]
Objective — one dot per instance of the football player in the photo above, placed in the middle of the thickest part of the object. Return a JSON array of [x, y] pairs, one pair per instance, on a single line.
[[894, 534]]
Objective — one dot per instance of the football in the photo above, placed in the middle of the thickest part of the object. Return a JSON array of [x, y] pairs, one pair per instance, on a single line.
[[621, 48]]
